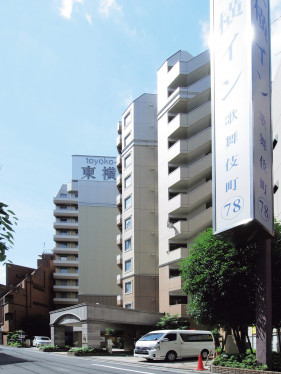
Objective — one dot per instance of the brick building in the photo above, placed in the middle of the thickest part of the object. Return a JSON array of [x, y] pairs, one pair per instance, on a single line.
[[28, 300]]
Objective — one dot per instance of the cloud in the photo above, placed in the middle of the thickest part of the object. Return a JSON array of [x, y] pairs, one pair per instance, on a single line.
[[205, 33], [89, 19], [67, 7], [108, 6]]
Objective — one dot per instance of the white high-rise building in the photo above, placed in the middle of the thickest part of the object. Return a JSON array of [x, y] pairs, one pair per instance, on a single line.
[[86, 205], [137, 203], [184, 167]]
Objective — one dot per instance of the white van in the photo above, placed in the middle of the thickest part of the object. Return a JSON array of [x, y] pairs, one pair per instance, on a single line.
[[172, 344]]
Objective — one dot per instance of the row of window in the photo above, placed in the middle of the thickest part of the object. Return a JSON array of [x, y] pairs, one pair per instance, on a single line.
[[67, 270], [68, 245], [67, 258]]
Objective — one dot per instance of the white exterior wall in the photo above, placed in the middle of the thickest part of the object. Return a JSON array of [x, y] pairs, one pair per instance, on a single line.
[[184, 164], [143, 255]]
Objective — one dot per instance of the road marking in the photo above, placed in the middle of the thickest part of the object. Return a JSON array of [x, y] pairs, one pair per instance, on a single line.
[[114, 367]]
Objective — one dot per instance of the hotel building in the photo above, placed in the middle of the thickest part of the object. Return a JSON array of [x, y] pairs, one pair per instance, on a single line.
[[86, 205]]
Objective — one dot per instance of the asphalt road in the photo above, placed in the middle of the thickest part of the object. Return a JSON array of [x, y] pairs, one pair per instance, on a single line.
[[26, 360]]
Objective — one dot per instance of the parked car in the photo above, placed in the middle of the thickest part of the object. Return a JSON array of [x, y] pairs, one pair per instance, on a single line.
[[173, 344], [38, 341]]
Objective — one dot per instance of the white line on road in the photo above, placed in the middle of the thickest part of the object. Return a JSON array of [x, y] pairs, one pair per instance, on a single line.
[[114, 367]]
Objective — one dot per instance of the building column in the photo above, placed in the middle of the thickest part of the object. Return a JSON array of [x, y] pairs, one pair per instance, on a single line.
[[58, 335], [91, 334], [129, 337]]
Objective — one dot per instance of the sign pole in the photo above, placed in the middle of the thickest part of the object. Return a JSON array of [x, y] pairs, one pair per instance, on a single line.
[[264, 304]]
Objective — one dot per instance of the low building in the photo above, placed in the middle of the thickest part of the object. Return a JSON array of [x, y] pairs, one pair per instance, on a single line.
[[27, 304]]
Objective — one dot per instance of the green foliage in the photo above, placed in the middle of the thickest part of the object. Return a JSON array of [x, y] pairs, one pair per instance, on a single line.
[[7, 220], [13, 337], [276, 361], [114, 332], [174, 322], [82, 350], [54, 348], [242, 361], [221, 282]]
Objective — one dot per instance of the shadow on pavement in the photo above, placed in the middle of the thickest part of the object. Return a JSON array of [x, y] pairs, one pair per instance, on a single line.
[[8, 360]]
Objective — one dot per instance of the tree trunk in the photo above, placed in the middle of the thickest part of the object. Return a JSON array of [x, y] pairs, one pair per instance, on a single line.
[[239, 335]]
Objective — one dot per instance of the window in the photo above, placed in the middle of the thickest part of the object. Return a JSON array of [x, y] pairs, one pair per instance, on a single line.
[[127, 119], [127, 139], [196, 337], [63, 245], [76, 270], [128, 244], [128, 161], [128, 181], [63, 232], [128, 306], [63, 195], [128, 223], [63, 258], [63, 282], [128, 265], [128, 202], [63, 219], [63, 270], [171, 337], [128, 287]]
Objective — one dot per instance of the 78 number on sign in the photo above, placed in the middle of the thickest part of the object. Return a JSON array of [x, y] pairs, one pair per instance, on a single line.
[[232, 207]]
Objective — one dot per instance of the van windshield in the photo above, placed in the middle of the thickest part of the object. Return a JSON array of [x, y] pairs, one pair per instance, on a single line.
[[152, 336]]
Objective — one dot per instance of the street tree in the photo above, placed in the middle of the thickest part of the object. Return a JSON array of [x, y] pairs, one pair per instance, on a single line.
[[172, 322], [7, 220], [221, 283]]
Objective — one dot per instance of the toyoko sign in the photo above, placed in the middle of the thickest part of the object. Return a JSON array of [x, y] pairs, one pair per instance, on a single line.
[[242, 146], [94, 168]]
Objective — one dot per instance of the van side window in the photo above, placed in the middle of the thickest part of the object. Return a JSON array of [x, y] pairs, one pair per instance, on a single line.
[[171, 337], [196, 337]]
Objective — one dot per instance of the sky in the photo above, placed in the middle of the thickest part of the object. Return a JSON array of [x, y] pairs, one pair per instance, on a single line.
[[68, 71]]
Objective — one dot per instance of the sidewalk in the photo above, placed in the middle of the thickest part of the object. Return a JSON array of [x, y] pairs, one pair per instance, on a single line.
[[186, 364]]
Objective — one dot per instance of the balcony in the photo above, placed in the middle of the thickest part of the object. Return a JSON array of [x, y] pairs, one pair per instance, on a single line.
[[67, 263], [119, 163], [119, 240], [65, 288], [184, 151], [119, 182], [119, 221], [72, 187], [183, 126], [66, 212], [193, 70], [119, 261], [71, 251], [119, 202], [119, 143], [65, 200], [175, 284], [185, 230], [119, 300], [65, 275], [65, 225], [119, 127], [119, 280], [183, 204], [65, 301], [66, 238], [185, 176], [178, 254]]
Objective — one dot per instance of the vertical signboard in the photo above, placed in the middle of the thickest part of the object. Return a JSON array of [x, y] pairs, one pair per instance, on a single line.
[[94, 168], [242, 147]]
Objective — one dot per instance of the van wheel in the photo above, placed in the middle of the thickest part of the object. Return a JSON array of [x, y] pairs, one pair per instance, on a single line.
[[204, 354], [171, 356]]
